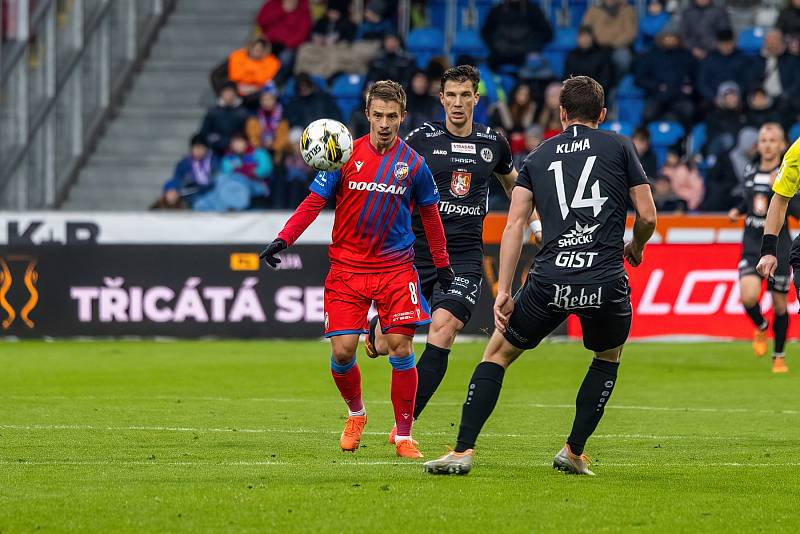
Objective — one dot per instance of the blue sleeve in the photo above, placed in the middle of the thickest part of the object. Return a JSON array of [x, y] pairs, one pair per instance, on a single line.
[[228, 164], [424, 188], [176, 182], [263, 164], [325, 183]]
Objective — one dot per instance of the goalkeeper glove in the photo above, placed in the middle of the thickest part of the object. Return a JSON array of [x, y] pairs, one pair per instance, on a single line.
[[445, 276], [269, 253]]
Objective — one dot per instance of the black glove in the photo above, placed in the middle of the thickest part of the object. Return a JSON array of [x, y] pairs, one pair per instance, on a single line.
[[268, 254], [445, 275]]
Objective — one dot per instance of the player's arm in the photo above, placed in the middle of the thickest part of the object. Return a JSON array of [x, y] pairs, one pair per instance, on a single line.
[[644, 223], [519, 214], [426, 197], [508, 181], [323, 188], [785, 188]]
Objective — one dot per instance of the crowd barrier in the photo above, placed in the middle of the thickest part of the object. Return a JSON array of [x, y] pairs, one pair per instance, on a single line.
[[195, 276]]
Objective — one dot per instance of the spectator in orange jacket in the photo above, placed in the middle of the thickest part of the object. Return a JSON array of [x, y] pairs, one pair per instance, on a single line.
[[252, 67]]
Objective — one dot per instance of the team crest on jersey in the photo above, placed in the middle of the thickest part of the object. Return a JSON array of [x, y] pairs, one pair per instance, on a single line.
[[487, 155], [459, 184], [760, 204], [401, 171]]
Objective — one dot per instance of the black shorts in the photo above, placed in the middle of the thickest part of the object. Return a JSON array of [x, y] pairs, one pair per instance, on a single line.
[[604, 311], [778, 283], [463, 295]]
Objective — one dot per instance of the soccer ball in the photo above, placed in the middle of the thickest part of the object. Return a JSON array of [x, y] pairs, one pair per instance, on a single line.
[[326, 145]]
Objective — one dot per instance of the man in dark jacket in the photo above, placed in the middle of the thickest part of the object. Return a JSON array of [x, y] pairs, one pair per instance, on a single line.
[[392, 63], [779, 75], [589, 59], [667, 75], [700, 23], [726, 63], [223, 119], [310, 103], [513, 30]]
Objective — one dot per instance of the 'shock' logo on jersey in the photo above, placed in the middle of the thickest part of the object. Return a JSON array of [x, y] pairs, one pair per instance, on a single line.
[[487, 155], [401, 171], [566, 298], [580, 235], [459, 184], [463, 148]]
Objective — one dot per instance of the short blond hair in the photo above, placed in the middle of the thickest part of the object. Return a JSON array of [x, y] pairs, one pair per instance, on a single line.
[[387, 91]]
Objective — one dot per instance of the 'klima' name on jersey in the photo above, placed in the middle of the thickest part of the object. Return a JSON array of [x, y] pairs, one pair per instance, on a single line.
[[575, 146]]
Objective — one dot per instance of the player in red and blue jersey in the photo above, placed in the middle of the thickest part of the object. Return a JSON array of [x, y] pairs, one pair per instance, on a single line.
[[372, 258]]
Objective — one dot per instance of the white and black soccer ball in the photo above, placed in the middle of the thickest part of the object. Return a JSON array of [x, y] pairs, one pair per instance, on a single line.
[[326, 145]]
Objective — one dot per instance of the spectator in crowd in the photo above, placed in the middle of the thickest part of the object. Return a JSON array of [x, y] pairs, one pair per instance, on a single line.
[[726, 63], [286, 23], [268, 128], [684, 179], [780, 72], [244, 171], [725, 120], [378, 19], [665, 198], [194, 176], [334, 26], [699, 25], [516, 117], [724, 179], [251, 68], [653, 23], [761, 108], [513, 30], [358, 123], [392, 62], [641, 141], [310, 103], [223, 119], [590, 59], [614, 24], [533, 138], [789, 19], [666, 74], [550, 115], [422, 107], [296, 174]]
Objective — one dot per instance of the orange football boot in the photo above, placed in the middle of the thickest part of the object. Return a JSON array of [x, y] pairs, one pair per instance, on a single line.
[[393, 435], [760, 343], [407, 448], [351, 435], [779, 365]]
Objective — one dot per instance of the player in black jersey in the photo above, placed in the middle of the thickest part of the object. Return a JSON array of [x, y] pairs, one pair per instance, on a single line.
[[463, 156], [753, 206], [580, 182]]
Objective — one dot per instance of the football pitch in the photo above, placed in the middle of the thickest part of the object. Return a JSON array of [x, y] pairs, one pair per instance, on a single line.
[[243, 437]]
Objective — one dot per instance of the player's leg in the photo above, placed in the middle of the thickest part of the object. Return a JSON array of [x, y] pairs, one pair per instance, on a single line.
[[749, 292], [345, 314], [780, 327]]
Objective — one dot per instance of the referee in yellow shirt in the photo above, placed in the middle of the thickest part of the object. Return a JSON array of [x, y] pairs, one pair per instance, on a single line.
[[785, 187]]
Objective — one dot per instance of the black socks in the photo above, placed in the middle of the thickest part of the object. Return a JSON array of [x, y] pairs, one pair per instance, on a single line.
[[591, 400], [780, 324], [431, 368], [754, 312], [484, 390]]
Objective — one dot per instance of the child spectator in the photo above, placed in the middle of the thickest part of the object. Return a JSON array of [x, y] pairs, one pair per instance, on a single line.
[[194, 176], [223, 119], [268, 128], [685, 180], [665, 198], [519, 115], [251, 68], [641, 141], [761, 109]]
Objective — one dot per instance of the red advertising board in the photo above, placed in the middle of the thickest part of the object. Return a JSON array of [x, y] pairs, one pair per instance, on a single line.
[[691, 290]]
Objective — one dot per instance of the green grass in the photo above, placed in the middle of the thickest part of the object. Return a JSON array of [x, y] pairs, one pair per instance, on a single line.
[[216, 436]]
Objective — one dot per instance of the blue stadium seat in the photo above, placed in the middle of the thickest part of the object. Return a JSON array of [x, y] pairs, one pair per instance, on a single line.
[[794, 132], [622, 128], [664, 134], [346, 90], [555, 52], [288, 89], [424, 44], [469, 43], [630, 102], [697, 139], [750, 40]]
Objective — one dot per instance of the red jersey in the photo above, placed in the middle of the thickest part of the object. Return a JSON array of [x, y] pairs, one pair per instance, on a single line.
[[374, 195]]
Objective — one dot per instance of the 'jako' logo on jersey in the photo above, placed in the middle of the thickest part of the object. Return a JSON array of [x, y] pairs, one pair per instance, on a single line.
[[380, 188], [580, 235], [459, 184]]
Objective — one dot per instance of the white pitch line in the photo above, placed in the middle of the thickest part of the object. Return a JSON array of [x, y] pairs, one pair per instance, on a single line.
[[611, 406], [335, 432]]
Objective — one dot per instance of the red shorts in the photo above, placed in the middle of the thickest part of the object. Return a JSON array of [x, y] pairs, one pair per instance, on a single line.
[[401, 306]]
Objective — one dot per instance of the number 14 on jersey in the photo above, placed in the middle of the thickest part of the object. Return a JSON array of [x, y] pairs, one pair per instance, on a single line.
[[578, 201]]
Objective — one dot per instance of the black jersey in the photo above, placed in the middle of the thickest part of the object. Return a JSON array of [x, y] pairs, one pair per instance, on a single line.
[[462, 168], [580, 181], [754, 205]]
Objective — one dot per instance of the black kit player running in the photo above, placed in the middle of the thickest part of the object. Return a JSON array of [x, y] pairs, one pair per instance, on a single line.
[[579, 182]]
